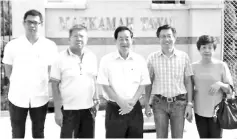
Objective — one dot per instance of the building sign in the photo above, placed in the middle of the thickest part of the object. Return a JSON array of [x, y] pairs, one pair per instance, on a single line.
[[110, 23]]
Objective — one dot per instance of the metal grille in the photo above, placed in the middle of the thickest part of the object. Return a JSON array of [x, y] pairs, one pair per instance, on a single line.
[[5, 31], [5, 36], [230, 37]]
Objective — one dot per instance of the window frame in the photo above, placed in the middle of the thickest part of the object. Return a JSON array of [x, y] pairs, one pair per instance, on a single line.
[[66, 4]]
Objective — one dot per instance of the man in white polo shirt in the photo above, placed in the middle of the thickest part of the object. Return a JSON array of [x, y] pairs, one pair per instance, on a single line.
[[27, 62], [73, 82], [123, 75]]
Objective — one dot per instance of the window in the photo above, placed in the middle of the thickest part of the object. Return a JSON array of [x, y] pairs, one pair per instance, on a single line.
[[65, 0], [168, 1], [64, 4]]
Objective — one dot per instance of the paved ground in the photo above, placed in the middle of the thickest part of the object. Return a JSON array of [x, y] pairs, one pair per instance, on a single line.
[[52, 130]]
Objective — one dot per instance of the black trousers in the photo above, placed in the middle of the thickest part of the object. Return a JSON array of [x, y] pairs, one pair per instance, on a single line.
[[77, 124], [123, 126], [207, 128], [18, 120]]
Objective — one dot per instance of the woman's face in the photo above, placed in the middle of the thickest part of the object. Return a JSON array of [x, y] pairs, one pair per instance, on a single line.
[[207, 50]]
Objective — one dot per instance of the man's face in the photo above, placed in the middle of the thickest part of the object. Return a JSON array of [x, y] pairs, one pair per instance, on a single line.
[[124, 41], [78, 39], [167, 39], [31, 24]]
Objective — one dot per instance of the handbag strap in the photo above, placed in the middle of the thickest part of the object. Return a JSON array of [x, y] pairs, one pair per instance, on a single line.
[[232, 89]]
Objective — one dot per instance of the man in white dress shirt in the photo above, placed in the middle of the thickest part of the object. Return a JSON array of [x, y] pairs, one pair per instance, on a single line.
[[123, 75], [27, 62]]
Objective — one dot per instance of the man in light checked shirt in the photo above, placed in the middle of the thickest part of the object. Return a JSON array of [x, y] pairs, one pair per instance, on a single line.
[[170, 94]]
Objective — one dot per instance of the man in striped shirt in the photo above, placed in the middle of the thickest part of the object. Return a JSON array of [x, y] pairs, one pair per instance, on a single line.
[[171, 88]]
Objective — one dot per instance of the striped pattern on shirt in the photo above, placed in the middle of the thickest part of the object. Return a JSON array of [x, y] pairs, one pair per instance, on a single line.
[[167, 73]]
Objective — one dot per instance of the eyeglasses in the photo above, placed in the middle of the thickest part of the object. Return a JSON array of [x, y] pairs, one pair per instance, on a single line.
[[165, 37], [29, 22]]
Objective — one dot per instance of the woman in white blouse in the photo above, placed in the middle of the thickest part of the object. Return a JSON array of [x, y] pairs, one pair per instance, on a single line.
[[211, 79]]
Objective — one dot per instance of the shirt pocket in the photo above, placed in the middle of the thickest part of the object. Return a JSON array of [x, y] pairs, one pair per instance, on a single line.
[[134, 74]]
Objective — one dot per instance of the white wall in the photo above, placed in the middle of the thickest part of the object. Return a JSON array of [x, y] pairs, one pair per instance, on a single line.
[[191, 20], [195, 18], [19, 7]]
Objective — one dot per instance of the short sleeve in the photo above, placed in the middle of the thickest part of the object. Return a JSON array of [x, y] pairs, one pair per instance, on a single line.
[[8, 56], [103, 77], [145, 78], [55, 73], [227, 78], [188, 67]]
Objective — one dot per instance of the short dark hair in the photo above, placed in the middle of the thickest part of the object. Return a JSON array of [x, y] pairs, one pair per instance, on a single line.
[[165, 27], [33, 13], [121, 28], [206, 39], [76, 27]]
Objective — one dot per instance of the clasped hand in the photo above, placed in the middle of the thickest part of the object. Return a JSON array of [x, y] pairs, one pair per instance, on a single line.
[[215, 88], [126, 106]]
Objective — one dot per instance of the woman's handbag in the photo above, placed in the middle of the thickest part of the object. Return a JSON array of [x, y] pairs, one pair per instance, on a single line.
[[226, 112]]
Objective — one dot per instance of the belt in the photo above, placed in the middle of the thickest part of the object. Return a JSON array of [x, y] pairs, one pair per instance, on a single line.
[[172, 99], [112, 102]]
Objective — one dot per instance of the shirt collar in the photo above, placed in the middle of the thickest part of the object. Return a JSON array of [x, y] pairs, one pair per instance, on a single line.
[[25, 38], [175, 53], [70, 53], [118, 56]]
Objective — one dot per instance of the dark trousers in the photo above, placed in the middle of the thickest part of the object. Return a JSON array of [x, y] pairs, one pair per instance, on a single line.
[[207, 128], [123, 126], [18, 120], [77, 124]]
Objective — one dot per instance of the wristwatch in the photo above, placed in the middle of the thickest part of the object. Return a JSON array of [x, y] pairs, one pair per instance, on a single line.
[[190, 104], [96, 101]]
